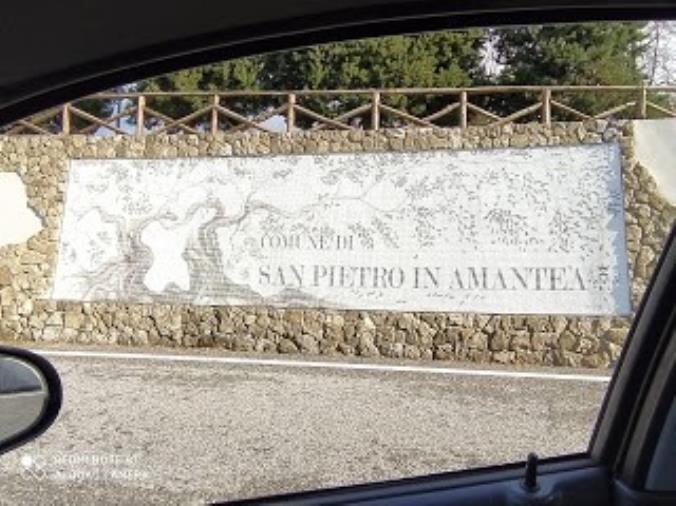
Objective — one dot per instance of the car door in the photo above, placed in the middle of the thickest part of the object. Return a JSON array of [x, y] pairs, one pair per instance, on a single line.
[[631, 459]]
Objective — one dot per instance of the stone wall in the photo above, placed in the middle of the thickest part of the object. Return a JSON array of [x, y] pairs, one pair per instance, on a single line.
[[26, 269]]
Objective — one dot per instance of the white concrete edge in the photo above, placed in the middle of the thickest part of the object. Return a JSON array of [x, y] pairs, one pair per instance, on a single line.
[[18, 221], [655, 151], [348, 366]]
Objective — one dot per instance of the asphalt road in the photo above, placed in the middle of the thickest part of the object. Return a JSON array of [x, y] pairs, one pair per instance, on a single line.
[[149, 430]]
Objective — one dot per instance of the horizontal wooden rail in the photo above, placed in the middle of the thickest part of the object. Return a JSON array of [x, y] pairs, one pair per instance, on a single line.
[[202, 112]]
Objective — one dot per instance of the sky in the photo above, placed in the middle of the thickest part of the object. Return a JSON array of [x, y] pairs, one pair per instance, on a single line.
[[666, 53]]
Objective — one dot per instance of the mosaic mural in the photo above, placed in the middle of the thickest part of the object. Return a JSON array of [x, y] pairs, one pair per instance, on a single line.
[[537, 230]]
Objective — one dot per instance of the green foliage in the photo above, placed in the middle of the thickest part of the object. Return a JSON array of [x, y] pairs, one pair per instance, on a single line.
[[576, 54], [241, 74], [425, 60]]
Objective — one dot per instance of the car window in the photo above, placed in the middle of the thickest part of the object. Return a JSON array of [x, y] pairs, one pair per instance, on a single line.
[[345, 263]]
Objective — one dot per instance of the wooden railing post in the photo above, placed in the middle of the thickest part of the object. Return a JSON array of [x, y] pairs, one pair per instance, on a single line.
[[140, 115], [291, 112], [65, 119], [375, 111], [547, 106], [215, 102], [642, 104], [463, 109]]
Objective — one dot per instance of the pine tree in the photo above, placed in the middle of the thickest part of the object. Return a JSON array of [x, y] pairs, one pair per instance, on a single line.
[[424, 60], [575, 54]]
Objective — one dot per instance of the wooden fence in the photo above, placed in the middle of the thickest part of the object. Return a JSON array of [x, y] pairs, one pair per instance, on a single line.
[[230, 111]]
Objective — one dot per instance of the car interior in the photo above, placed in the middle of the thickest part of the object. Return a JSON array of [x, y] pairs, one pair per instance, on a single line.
[[73, 49]]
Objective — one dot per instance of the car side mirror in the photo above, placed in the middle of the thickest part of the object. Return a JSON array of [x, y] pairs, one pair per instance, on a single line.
[[30, 396]]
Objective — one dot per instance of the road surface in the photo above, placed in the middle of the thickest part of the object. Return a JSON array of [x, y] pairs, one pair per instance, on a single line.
[[171, 427]]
